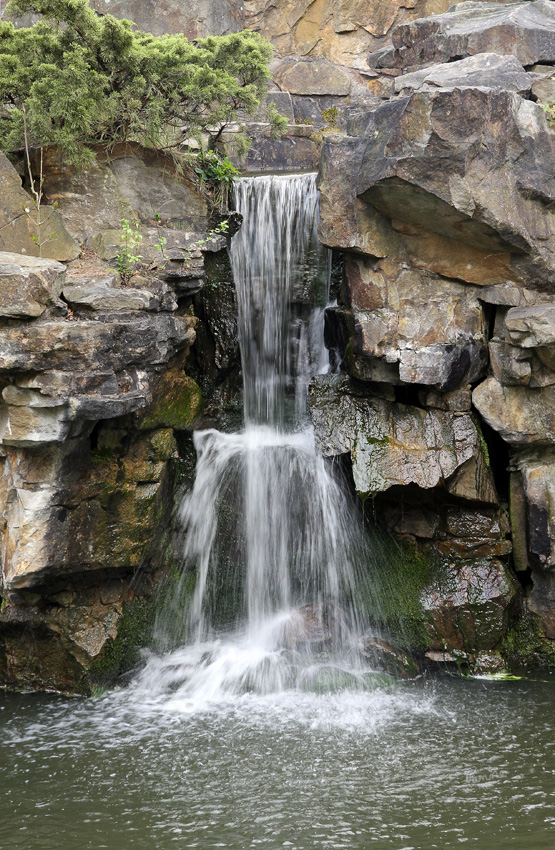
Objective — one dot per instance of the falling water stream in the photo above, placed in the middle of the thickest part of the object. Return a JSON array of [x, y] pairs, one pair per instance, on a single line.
[[267, 522], [256, 722]]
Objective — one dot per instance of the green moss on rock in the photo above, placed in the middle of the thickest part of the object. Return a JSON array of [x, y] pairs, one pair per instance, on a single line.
[[134, 631], [390, 593], [525, 646], [177, 404]]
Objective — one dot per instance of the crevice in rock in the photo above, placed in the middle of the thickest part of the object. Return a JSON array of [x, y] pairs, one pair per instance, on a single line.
[[499, 458], [408, 394]]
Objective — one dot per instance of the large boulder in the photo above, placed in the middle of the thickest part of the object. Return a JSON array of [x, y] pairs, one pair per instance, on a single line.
[[430, 328], [28, 285], [468, 606], [417, 182], [525, 30], [521, 415], [486, 70], [390, 444]]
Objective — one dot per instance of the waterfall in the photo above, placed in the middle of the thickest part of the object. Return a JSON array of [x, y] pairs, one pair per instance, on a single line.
[[270, 536]]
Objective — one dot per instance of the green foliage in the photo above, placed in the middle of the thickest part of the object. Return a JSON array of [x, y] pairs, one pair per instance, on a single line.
[[130, 243], [87, 79], [549, 109], [216, 174], [278, 123], [330, 116]]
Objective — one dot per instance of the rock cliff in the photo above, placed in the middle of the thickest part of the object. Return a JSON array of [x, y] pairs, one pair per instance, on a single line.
[[441, 199], [437, 194], [94, 402]]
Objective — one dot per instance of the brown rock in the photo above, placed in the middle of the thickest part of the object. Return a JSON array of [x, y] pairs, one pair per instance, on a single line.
[[312, 76]]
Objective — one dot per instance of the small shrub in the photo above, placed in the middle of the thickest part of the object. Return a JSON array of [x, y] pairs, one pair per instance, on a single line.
[[128, 256], [278, 123]]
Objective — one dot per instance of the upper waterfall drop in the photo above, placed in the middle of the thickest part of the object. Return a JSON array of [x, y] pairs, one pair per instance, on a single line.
[[282, 276]]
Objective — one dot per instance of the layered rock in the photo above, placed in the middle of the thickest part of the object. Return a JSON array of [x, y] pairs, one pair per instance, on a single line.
[[524, 30], [342, 31], [92, 394], [440, 199], [94, 418]]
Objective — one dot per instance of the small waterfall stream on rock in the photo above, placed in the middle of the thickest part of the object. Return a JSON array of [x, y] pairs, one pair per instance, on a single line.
[[270, 534]]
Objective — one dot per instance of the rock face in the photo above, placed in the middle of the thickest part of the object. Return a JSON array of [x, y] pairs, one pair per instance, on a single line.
[[18, 217], [94, 400], [391, 444], [440, 199], [91, 397], [524, 30], [130, 183], [342, 31]]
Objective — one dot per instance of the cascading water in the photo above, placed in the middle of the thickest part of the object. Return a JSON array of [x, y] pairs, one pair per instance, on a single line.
[[270, 536]]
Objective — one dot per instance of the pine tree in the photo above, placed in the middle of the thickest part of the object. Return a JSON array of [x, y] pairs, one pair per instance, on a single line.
[[87, 79]]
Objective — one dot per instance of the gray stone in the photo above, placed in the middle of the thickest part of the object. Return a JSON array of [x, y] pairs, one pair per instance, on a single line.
[[112, 345], [28, 284], [99, 296], [389, 443], [468, 606], [525, 30], [510, 295], [510, 365], [538, 479], [290, 152], [531, 327], [148, 182], [521, 415], [197, 20], [432, 327], [543, 88], [486, 70], [487, 221], [312, 76]]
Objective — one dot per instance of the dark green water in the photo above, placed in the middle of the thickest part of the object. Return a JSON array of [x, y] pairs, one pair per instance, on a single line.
[[427, 765]]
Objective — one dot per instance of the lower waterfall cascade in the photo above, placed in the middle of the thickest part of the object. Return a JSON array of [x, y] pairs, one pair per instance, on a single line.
[[271, 537]]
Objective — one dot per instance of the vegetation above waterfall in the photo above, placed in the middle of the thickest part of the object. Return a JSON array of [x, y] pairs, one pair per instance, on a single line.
[[80, 79]]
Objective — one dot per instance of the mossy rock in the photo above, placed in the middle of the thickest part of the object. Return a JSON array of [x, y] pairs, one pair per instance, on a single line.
[[389, 592], [177, 403], [134, 632], [525, 646]]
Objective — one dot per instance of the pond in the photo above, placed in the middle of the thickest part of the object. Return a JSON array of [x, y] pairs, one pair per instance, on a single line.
[[424, 764]]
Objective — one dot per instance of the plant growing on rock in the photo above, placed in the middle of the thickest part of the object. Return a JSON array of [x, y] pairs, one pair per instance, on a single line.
[[90, 80], [36, 189], [216, 174], [130, 244], [278, 123]]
